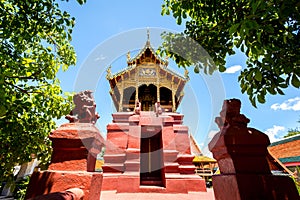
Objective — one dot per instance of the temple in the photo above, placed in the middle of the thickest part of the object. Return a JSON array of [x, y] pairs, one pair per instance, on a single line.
[[146, 79], [148, 147]]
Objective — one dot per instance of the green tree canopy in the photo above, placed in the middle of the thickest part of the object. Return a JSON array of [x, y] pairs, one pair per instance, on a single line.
[[268, 32], [35, 43]]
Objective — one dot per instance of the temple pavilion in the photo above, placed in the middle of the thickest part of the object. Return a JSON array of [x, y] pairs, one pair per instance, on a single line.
[[148, 151], [146, 79]]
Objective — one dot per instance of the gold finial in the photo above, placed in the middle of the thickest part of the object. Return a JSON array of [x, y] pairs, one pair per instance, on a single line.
[[108, 71], [166, 61], [186, 74], [128, 56]]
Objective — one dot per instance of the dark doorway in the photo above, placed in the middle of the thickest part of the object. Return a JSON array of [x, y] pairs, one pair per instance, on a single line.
[[147, 97], [151, 162]]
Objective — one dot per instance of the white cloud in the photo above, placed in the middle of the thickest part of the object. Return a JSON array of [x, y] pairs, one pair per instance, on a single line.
[[290, 104], [275, 133], [101, 57], [233, 69]]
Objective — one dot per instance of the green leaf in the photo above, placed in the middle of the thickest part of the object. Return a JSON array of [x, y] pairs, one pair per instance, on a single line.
[[261, 98], [295, 81], [271, 90], [167, 12], [258, 75], [253, 101], [244, 88], [179, 20], [280, 91], [233, 28], [283, 85], [259, 36], [81, 1], [254, 6], [2, 111], [222, 68], [249, 91], [196, 69]]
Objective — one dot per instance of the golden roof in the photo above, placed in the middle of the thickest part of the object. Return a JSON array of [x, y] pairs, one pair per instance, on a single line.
[[204, 159], [132, 63]]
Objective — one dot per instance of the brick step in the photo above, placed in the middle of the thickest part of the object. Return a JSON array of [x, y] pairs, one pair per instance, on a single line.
[[114, 158], [178, 118], [171, 167], [180, 129], [121, 117], [170, 155], [118, 127], [132, 166], [113, 167], [132, 154], [187, 169], [185, 159]]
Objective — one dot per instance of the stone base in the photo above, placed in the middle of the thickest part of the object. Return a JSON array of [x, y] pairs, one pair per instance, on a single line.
[[174, 183], [252, 186], [46, 182]]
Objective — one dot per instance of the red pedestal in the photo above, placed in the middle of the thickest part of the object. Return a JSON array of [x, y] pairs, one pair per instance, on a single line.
[[75, 148], [241, 153]]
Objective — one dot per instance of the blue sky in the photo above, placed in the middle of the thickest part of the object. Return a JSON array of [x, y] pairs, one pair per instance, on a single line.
[[106, 30]]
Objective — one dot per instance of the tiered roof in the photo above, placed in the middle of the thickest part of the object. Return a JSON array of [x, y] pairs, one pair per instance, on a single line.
[[133, 62]]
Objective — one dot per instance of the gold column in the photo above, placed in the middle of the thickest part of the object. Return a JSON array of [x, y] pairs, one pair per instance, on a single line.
[[173, 101], [136, 93], [121, 101], [157, 85], [121, 95], [137, 86]]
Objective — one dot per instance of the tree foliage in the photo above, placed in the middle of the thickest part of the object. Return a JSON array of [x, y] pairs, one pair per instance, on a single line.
[[293, 131], [268, 32], [35, 43]]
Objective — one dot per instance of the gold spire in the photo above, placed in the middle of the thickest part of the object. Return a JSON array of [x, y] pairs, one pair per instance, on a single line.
[[148, 36], [108, 73], [128, 56], [186, 74]]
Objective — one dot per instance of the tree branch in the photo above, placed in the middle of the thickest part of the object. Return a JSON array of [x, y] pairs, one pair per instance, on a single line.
[[17, 87]]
